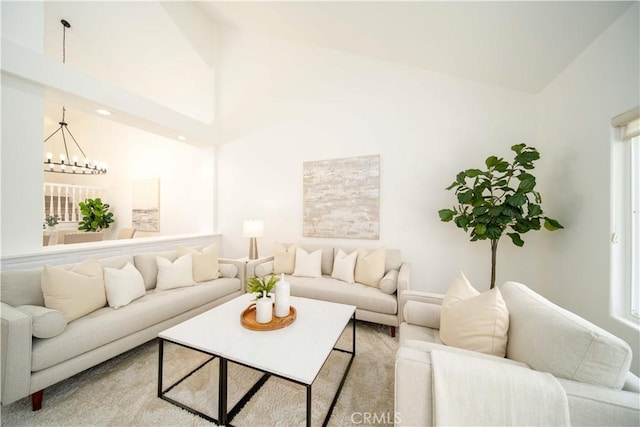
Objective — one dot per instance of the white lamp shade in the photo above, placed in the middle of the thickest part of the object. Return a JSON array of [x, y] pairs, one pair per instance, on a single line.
[[253, 228]]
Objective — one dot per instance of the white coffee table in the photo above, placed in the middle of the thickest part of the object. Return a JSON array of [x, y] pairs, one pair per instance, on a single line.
[[295, 353]]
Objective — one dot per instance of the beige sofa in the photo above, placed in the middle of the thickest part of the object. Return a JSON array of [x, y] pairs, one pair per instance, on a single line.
[[589, 367], [372, 304], [30, 364]]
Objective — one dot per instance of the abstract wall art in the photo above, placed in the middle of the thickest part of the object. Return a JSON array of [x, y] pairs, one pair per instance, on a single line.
[[145, 215]]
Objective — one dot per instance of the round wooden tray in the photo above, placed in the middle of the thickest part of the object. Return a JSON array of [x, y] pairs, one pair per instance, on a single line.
[[248, 320]]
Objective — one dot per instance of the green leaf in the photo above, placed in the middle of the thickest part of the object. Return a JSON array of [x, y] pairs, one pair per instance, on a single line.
[[516, 199], [515, 238], [480, 210], [461, 178], [495, 211], [491, 161], [472, 173], [527, 185], [453, 184], [462, 221], [494, 232], [521, 227], [502, 166], [465, 197], [446, 215], [518, 148], [535, 210], [551, 224], [480, 229]]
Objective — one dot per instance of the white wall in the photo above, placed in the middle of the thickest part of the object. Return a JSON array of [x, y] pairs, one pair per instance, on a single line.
[[283, 103], [574, 115]]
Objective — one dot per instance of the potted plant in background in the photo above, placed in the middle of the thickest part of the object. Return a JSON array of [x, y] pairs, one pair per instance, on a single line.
[[499, 198], [50, 221], [95, 215], [260, 287]]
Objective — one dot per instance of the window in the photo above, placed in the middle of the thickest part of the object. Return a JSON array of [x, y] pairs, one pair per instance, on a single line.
[[625, 253]]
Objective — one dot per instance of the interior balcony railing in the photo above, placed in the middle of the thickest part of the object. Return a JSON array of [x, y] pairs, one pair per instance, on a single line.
[[63, 199]]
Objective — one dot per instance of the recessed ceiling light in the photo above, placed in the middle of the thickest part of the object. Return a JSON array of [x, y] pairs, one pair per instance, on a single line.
[[182, 137], [103, 112]]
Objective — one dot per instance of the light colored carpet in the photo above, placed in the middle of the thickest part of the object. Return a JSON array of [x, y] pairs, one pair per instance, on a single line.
[[122, 391]]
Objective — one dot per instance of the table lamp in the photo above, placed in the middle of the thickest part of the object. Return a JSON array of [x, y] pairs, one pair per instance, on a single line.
[[253, 228]]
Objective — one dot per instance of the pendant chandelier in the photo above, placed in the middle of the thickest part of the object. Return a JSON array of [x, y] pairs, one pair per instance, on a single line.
[[65, 163]]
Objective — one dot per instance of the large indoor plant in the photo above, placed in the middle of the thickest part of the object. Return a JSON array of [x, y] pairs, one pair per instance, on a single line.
[[499, 198], [95, 215]]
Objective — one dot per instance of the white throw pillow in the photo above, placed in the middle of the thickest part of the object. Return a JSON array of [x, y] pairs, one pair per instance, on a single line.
[[308, 264], [74, 292], [205, 262], [228, 270], [284, 259], [370, 267], [473, 320], [174, 275], [344, 265], [389, 283], [123, 285]]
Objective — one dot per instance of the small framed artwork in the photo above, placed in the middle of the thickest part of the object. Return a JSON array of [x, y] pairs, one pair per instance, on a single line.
[[145, 215]]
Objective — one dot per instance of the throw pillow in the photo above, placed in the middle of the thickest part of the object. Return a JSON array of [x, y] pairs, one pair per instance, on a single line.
[[175, 274], [228, 270], [370, 267], [473, 320], [74, 292], [389, 282], [45, 322], [205, 262], [308, 264], [123, 285], [344, 265], [284, 259]]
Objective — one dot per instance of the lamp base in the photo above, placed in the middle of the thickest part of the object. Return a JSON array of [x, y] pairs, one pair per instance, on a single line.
[[253, 248]]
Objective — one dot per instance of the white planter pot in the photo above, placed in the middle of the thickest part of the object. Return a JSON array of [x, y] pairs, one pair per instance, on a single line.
[[53, 235], [264, 310]]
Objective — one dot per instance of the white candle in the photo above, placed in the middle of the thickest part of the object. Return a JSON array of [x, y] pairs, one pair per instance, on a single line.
[[282, 298], [264, 310]]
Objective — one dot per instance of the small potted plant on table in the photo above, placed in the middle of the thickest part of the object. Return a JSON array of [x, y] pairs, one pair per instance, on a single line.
[[260, 287]]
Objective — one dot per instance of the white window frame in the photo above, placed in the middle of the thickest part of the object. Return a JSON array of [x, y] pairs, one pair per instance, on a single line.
[[625, 221]]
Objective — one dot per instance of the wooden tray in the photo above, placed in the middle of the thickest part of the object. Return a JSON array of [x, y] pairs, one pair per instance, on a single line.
[[248, 320]]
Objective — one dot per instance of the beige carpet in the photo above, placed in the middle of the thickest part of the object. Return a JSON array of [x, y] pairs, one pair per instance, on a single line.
[[122, 391]]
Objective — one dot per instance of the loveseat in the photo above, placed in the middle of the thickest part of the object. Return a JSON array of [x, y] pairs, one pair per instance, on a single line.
[[559, 369], [367, 279], [101, 308]]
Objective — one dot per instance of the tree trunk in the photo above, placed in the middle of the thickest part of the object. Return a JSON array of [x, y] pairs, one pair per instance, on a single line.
[[494, 250]]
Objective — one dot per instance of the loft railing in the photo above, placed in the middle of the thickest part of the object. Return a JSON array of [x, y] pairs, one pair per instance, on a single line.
[[63, 199]]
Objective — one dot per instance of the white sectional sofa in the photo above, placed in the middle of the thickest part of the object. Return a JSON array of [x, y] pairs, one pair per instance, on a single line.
[[588, 367], [377, 303], [39, 349]]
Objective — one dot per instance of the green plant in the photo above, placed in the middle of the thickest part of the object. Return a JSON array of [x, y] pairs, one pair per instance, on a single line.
[[261, 286], [490, 202], [51, 220], [95, 215]]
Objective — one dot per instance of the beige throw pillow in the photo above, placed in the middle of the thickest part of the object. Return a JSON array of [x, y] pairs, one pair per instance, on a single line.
[[74, 292], [473, 320], [205, 262], [370, 267], [284, 259]]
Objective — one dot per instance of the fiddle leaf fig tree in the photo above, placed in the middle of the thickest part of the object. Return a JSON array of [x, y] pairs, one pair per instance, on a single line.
[[95, 215], [502, 198]]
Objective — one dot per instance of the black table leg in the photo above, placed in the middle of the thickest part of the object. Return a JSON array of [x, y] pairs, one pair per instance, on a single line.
[[222, 392]]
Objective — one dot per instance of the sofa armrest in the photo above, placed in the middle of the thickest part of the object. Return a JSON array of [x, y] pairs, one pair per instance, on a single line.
[[631, 383], [251, 265], [241, 269], [403, 278], [15, 349], [413, 394], [418, 296]]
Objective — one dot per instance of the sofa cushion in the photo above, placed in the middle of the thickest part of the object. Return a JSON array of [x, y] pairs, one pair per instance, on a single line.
[[327, 289], [551, 339], [308, 264], [123, 285], [22, 287], [148, 266], [344, 265], [472, 320], [118, 261], [370, 267], [106, 324], [205, 261], [175, 274], [74, 292], [284, 259], [45, 322]]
